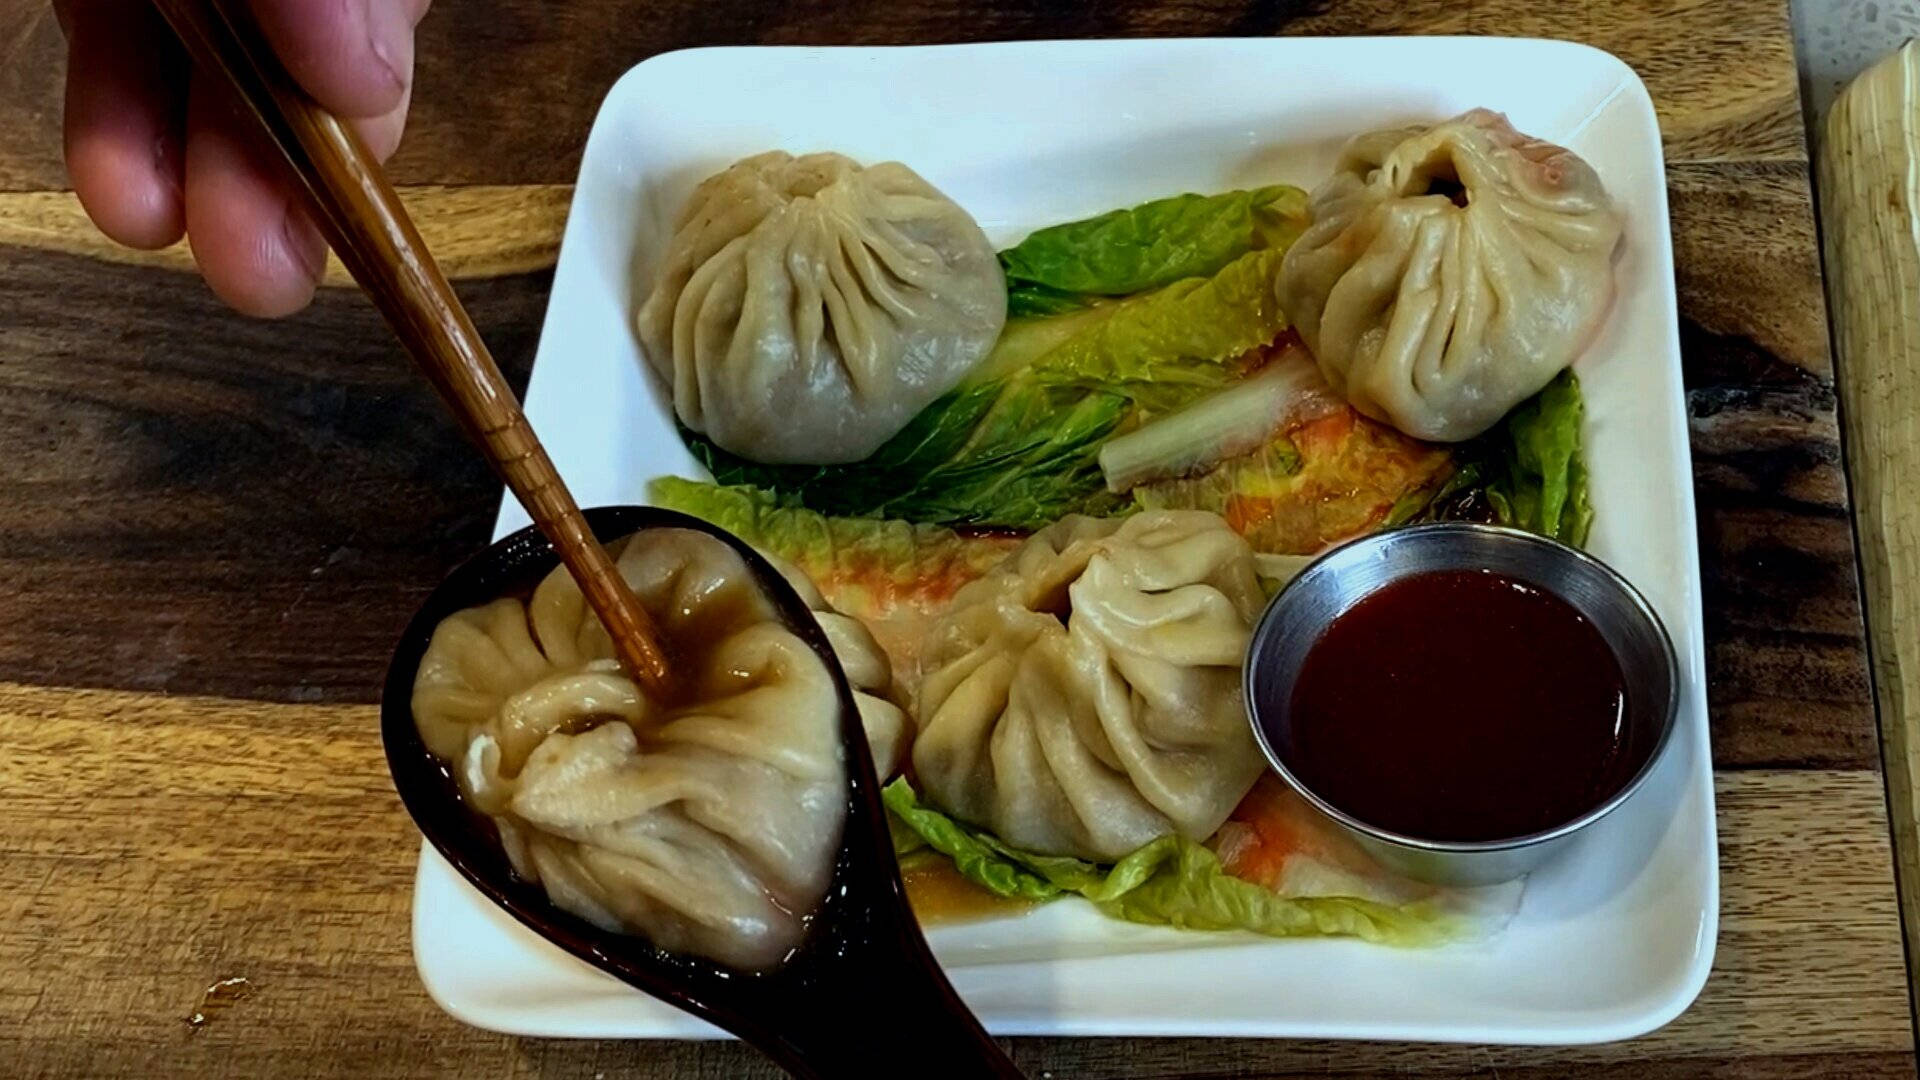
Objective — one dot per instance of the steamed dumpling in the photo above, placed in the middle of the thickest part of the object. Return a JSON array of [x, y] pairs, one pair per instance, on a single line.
[[1084, 697], [808, 307], [708, 825], [868, 670], [1451, 272]]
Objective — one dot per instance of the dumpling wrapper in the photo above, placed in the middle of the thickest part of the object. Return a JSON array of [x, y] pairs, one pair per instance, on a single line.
[[1085, 698], [808, 307], [1436, 316], [707, 826], [1276, 839]]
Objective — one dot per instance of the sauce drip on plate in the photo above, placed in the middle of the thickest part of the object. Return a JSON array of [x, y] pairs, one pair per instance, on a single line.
[[941, 895], [1463, 706]]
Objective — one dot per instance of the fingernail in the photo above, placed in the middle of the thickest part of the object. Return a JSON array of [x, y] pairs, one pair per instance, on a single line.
[[390, 37]]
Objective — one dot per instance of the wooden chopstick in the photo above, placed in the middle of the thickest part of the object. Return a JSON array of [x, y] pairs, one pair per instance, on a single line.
[[361, 216]]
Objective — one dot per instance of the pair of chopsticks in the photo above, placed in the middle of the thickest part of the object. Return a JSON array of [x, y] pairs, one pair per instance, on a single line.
[[361, 217]]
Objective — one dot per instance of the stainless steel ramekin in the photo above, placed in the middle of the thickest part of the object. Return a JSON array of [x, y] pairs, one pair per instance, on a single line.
[[1297, 617]]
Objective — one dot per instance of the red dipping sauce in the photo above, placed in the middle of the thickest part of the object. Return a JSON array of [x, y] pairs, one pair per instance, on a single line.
[[1460, 705]]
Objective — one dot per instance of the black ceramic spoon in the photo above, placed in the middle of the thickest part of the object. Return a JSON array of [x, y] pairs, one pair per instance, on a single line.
[[861, 996], [861, 993]]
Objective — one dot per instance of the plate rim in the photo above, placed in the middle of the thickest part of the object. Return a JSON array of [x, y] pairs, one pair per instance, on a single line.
[[1679, 994]]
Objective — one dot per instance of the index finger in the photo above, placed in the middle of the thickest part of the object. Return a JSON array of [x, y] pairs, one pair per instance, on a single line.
[[354, 56]]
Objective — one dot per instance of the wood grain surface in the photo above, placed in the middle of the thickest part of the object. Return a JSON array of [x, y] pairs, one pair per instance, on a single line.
[[1868, 157], [482, 230], [261, 842], [216, 527]]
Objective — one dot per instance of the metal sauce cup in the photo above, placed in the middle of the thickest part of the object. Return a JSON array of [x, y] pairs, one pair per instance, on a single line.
[[1336, 582]]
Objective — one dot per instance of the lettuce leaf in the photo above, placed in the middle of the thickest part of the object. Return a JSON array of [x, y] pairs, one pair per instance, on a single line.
[[1529, 472], [1029, 298], [1335, 476], [977, 860], [1147, 246], [1545, 486], [1017, 445], [1015, 454], [1238, 419], [899, 557], [894, 576], [1171, 881], [1167, 348]]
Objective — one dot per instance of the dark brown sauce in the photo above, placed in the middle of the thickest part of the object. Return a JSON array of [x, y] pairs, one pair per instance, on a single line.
[[1460, 705], [688, 647]]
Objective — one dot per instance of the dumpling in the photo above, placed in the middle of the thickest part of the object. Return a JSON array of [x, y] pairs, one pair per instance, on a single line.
[[1084, 697], [708, 825], [1451, 271], [868, 669], [808, 307]]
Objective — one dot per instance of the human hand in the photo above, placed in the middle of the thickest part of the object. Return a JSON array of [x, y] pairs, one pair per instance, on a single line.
[[154, 149]]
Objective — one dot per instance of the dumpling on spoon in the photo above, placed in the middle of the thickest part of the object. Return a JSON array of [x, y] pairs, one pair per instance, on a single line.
[[808, 307], [1451, 271], [707, 824]]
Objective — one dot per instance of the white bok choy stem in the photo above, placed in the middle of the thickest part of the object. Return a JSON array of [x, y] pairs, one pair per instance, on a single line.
[[1236, 420]]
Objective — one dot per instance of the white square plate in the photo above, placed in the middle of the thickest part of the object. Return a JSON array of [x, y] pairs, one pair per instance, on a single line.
[[1611, 942]]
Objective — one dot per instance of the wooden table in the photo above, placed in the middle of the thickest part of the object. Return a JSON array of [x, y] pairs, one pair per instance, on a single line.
[[213, 528]]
